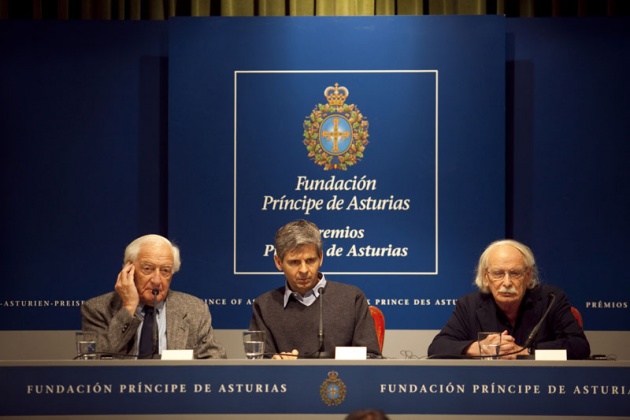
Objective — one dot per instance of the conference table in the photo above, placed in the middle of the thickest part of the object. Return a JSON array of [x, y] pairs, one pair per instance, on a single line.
[[320, 388]]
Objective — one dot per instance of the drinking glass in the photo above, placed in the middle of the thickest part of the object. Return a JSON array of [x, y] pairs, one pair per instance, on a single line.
[[86, 345], [254, 343], [489, 345]]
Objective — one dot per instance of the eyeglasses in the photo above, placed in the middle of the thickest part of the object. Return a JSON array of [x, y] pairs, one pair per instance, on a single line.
[[147, 269], [499, 275]]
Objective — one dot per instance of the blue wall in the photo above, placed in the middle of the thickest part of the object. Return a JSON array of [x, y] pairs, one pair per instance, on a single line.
[[223, 162], [568, 176], [83, 127]]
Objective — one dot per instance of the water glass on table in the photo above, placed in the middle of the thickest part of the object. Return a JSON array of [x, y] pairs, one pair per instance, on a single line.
[[489, 345], [86, 345], [254, 343]]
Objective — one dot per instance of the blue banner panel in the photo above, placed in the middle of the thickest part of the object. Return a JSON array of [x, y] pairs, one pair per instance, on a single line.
[[332, 387], [570, 144], [81, 105], [372, 223], [372, 127]]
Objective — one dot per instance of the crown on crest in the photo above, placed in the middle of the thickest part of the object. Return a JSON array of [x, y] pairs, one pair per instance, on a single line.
[[332, 375], [336, 95]]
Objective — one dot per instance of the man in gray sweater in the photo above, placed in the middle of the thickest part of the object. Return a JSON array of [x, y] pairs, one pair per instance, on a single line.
[[291, 314]]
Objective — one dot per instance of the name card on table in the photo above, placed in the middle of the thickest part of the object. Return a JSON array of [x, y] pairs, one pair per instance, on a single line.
[[350, 353], [550, 354], [177, 354]]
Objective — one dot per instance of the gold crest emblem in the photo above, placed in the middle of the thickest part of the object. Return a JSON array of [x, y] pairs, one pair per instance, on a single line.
[[336, 134], [333, 390]]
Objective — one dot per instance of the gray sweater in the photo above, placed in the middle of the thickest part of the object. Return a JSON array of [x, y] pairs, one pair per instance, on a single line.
[[347, 321]]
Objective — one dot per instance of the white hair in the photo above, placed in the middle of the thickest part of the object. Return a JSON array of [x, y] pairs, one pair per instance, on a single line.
[[133, 249], [528, 258]]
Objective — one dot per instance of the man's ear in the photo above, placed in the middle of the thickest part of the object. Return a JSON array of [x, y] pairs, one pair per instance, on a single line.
[[528, 277], [484, 281], [278, 262]]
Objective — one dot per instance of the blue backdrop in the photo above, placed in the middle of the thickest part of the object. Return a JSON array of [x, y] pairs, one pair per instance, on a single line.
[[82, 173], [567, 142], [107, 136], [237, 154]]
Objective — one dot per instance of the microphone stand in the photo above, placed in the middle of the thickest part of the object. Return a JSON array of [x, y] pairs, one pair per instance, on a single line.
[[320, 331], [532, 335], [320, 353], [155, 347]]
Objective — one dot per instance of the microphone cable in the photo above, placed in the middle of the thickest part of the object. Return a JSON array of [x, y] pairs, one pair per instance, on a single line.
[[112, 356], [155, 343]]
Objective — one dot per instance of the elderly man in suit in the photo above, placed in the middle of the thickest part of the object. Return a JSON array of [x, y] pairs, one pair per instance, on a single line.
[[142, 296]]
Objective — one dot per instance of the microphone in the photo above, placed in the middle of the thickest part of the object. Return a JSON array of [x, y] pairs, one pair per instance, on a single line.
[[319, 353], [320, 332], [532, 335], [155, 347]]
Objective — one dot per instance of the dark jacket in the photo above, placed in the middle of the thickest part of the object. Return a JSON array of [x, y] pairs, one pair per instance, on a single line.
[[478, 312]]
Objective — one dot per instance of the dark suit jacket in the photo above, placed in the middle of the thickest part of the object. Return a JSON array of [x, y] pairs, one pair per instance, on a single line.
[[188, 325], [478, 312]]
